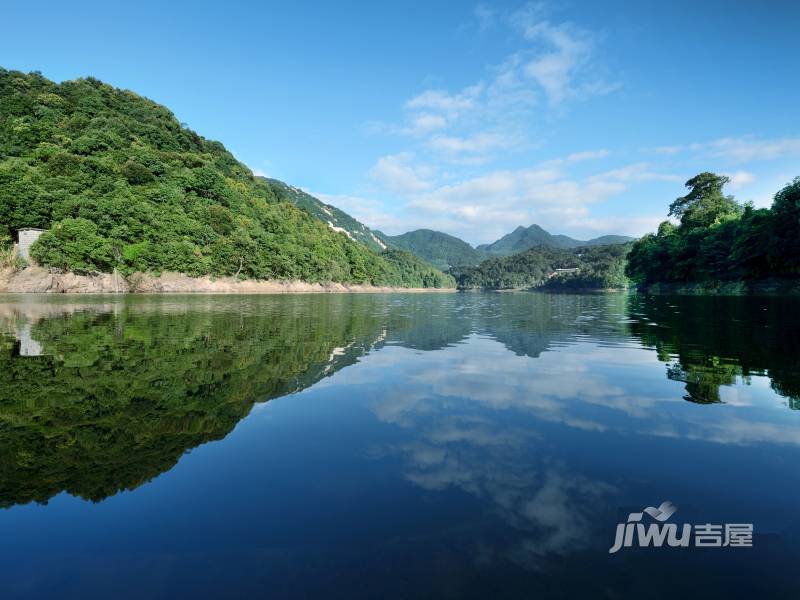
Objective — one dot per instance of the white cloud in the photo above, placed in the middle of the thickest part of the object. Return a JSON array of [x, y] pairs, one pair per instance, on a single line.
[[554, 71], [479, 143], [633, 226], [556, 62], [587, 155], [561, 62], [416, 125], [425, 123], [750, 149], [740, 179], [637, 172], [451, 105], [739, 149], [669, 149], [395, 173]]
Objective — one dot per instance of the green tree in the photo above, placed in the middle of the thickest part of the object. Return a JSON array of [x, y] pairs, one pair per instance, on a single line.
[[720, 240], [74, 243], [705, 204], [784, 249]]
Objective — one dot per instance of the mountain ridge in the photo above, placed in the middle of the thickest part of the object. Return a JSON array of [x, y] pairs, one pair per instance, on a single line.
[[440, 249], [445, 251], [524, 238]]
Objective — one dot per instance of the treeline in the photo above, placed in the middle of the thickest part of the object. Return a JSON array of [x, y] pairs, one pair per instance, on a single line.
[[121, 184], [595, 267], [719, 239]]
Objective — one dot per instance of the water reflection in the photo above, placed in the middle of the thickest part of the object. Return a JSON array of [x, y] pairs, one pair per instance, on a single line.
[[101, 396], [115, 397], [709, 342], [485, 441]]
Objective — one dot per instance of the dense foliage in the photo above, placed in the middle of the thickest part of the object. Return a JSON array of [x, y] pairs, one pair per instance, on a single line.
[[327, 213], [718, 239], [596, 267], [121, 184], [524, 238], [414, 272], [439, 249]]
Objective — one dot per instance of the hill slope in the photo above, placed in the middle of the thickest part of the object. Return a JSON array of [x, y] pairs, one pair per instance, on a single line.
[[336, 219], [523, 238], [439, 249], [121, 184]]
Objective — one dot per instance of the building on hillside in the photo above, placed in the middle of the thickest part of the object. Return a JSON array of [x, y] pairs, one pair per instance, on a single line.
[[26, 238]]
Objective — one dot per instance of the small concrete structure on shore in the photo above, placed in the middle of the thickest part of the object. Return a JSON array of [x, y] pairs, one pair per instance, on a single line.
[[26, 239]]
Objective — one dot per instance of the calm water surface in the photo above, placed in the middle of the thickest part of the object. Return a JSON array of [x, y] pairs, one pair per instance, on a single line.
[[394, 446]]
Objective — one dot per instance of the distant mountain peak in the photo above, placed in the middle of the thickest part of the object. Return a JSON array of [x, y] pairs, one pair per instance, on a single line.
[[523, 238]]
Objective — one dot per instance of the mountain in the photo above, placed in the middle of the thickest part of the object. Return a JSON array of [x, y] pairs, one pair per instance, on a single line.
[[121, 185], [439, 249], [523, 238], [445, 251], [336, 219]]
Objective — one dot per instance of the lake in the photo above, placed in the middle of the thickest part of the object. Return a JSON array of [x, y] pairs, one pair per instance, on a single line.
[[397, 446]]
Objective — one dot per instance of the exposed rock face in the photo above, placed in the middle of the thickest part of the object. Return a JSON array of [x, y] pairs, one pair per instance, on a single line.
[[44, 281]]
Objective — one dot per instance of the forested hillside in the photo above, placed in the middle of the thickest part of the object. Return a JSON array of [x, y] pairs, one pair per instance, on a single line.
[[336, 219], [121, 184], [439, 249], [592, 267], [719, 239]]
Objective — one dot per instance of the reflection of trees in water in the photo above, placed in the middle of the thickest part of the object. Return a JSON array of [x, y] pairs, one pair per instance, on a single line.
[[121, 389], [116, 399], [710, 341], [703, 381]]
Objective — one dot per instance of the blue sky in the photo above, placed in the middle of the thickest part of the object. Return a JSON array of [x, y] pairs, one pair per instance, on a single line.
[[471, 118]]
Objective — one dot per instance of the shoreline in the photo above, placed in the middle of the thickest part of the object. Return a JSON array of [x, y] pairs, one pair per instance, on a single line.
[[38, 280], [544, 290], [758, 287]]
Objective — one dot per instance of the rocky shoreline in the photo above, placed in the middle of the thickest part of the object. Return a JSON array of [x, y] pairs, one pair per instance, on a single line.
[[38, 280]]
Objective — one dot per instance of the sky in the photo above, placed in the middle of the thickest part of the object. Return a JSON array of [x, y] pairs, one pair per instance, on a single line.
[[586, 118]]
